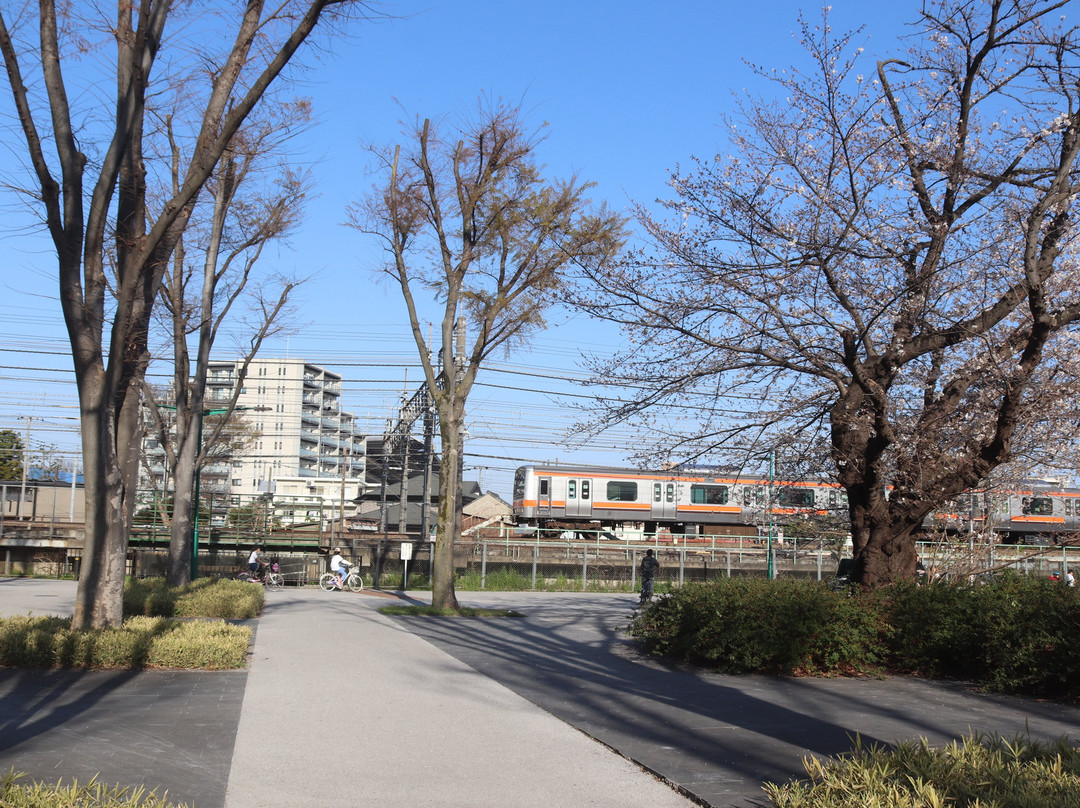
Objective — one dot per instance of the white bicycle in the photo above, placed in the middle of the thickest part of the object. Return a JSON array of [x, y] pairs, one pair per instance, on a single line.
[[328, 581]]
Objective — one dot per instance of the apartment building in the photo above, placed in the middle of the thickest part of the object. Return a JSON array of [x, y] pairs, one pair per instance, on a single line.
[[304, 433]]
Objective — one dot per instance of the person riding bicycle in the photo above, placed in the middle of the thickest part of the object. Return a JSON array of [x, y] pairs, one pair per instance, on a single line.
[[649, 567], [340, 567], [254, 562]]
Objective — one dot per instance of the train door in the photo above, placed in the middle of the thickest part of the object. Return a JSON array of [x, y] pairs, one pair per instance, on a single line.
[[663, 500], [579, 496], [543, 496]]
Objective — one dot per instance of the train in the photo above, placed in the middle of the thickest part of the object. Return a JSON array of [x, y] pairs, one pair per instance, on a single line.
[[720, 501]]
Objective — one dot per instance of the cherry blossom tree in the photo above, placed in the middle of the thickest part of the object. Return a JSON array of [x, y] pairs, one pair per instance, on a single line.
[[883, 266]]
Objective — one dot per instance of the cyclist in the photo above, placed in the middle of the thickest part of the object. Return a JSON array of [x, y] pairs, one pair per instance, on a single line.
[[340, 567], [254, 563], [649, 566]]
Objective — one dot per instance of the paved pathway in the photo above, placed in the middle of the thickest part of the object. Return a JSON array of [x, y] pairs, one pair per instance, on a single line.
[[420, 712]]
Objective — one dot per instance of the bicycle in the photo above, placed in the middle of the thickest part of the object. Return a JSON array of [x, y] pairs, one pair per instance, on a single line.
[[646, 591], [328, 581], [271, 577]]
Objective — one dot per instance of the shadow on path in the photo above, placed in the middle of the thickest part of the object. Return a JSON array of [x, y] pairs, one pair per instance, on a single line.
[[716, 737]]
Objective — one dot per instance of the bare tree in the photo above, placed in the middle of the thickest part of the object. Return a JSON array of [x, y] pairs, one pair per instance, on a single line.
[[884, 265], [242, 221], [92, 191], [471, 219]]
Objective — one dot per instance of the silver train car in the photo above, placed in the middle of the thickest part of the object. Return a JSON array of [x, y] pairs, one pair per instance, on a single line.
[[562, 495], [689, 501]]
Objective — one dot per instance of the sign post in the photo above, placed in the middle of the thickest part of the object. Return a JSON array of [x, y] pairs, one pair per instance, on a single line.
[[406, 554]]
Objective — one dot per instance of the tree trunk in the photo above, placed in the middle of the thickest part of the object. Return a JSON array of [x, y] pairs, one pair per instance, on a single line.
[[180, 530], [449, 520], [99, 598], [883, 553]]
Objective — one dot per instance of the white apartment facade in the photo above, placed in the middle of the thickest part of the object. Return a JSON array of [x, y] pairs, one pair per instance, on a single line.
[[305, 438]]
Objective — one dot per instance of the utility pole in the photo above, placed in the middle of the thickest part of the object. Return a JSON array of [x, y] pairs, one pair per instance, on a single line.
[[25, 467]]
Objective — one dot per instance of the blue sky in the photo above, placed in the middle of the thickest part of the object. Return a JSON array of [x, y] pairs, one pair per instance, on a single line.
[[629, 90]]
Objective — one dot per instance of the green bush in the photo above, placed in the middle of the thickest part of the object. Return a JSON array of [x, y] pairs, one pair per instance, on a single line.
[[16, 793], [743, 625], [979, 770], [204, 597], [46, 642], [1012, 634]]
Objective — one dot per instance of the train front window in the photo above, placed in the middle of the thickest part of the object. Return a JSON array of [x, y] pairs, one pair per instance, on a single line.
[[618, 491], [708, 494], [519, 484]]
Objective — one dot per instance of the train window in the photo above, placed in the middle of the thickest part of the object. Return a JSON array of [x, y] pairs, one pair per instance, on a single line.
[[618, 491], [837, 498], [796, 497], [571, 489], [584, 489], [670, 493], [656, 495], [1038, 506], [751, 496], [709, 494], [544, 493], [1068, 507]]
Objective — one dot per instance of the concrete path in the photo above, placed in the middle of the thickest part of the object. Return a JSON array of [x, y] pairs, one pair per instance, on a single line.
[[341, 704]]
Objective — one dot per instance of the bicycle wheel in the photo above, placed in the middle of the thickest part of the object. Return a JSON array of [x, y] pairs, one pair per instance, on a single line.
[[275, 580], [326, 581], [355, 582], [245, 577]]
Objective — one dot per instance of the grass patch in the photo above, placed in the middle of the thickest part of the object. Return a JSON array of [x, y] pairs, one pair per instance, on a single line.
[[464, 611], [979, 770], [205, 597], [141, 642], [17, 792]]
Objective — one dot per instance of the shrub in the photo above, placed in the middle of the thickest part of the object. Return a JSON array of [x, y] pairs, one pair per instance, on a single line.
[[979, 770], [16, 793], [44, 642], [204, 597], [744, 625], [1011, 634]]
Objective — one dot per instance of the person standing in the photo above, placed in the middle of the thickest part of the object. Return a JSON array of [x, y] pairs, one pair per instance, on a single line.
[[649, 567]]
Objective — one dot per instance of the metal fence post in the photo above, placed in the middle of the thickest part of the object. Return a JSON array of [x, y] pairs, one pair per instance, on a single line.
[[728, 554], [536, 555], [682, 564], [483, 565], [633, 570], [584, 567]]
